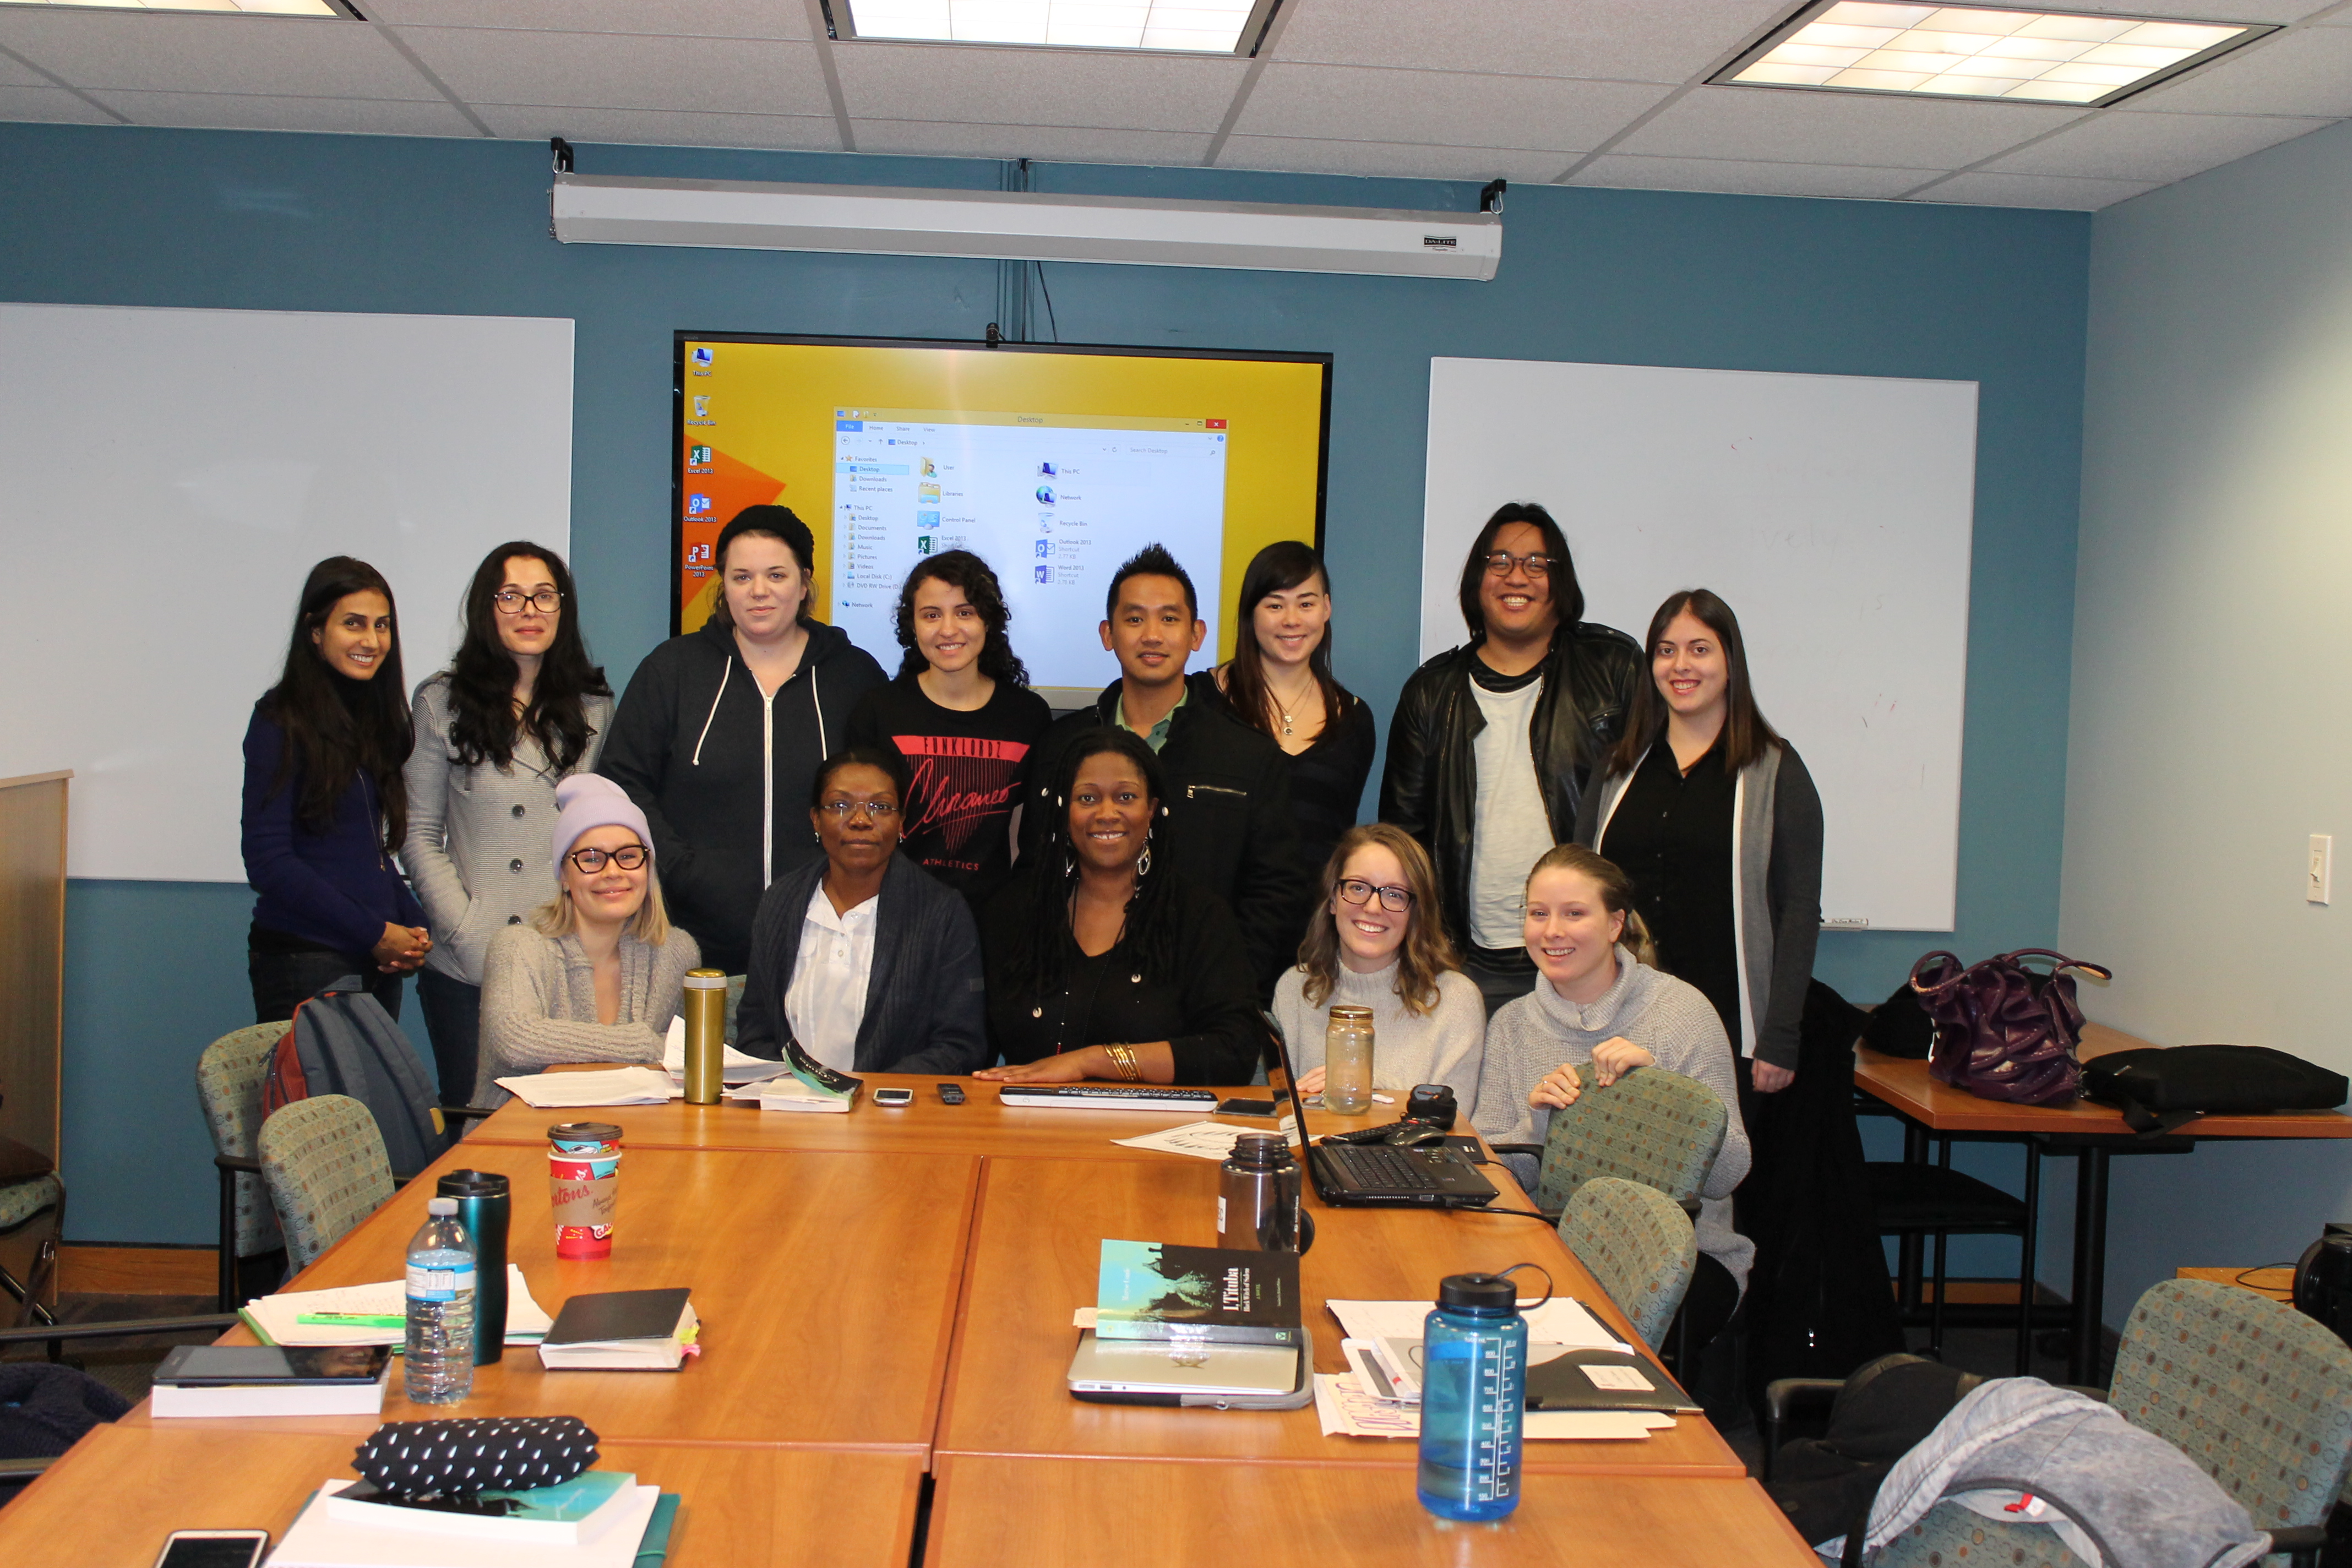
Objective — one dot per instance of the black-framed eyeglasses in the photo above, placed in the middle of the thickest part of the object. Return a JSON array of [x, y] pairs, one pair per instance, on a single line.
[[513, 601], [628, 857], [1500, 563], [1396, 900], [841, 810]]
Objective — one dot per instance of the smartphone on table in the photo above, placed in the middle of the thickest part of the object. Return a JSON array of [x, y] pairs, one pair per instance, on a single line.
[[212, 1548]]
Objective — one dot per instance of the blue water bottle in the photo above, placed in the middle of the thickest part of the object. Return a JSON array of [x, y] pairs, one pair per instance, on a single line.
[[1474, 1394]]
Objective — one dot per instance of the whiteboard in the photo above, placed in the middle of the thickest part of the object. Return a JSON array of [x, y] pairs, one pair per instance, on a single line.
[[1833, 514], [167, 480]]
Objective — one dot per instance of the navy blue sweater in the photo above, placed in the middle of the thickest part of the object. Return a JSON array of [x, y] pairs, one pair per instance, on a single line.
[[337, 888]]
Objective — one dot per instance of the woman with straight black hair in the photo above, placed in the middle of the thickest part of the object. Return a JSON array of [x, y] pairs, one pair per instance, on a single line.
[[520, 709], [1715, 819], [961, 714], [1101, 964], [721, 730], [324, 803], [1279, 683]]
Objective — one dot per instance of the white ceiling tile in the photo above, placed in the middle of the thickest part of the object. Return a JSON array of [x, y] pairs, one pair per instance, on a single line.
[[1441, 108], [222, 52], [243, 111], [2207, 10], [660, 127], [2034, 191], [1773, 126], [54, 105], [1394, 159], [1624, 171], [2119, 144], [1059, 143], [611, 71], [680, 18], [2306, 71], [1637, 41], [1036, 86]]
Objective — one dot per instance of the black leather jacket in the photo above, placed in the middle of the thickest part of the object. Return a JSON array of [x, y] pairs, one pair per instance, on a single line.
[[1431, 785]]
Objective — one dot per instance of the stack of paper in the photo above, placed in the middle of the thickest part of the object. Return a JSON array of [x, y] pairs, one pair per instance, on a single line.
[[372, 1314], [327, 1534], [1561, 1321], [735, 1067], [567, 1090]]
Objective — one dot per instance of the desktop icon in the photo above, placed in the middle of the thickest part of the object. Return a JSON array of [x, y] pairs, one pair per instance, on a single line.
[[1045, 523], [697, 505], [1045, 574], [926, 492], [702, 358], [697, 555], [1045, 495], [698, 456], [1045, 548], [922, 544], [1047, 469], [702, 408], [931, 470]]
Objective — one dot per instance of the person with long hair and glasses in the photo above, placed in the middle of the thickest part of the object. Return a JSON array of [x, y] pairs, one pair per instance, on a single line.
[[963, 715], [1494, 740], [1102, 961], [721, 730], [1279, 682], [1716, 819], [324, 804], [518, 708], [1376, 942]]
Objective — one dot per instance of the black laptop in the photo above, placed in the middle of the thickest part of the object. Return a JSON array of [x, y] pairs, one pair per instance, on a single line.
[[1379, 1175]]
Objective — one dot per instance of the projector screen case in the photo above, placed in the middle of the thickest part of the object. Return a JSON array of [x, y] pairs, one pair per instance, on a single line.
[[1015, 225]]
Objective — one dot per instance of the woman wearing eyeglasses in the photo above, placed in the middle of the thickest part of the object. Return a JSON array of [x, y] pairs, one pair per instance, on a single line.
[[518, 708], [862, 958], [595, 973], [1378, 942]]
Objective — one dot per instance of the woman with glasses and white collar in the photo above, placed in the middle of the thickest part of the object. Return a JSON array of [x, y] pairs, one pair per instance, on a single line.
[[1379, 941], [596, 973], [860, 957]]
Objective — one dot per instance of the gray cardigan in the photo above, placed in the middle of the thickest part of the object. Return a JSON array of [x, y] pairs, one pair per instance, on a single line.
[[1776, 889], [469, 826], [1444, 1045], [539, 1004], [926, 1002]]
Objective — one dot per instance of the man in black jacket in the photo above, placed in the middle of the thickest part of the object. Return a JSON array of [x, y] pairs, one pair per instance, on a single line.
[[1493, 741], [1229, 827]]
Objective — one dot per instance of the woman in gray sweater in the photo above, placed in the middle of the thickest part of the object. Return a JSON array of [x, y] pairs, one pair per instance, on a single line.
[[519, 708], [596, 974], [1379, 941], [1599, 1012]]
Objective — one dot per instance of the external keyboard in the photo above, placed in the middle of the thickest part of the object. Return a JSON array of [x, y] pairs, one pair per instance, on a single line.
[[1105, 1097], [1374, 1165]]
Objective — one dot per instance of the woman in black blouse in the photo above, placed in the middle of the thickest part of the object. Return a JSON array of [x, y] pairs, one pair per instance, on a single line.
[[1099, 964], [1279, 681]]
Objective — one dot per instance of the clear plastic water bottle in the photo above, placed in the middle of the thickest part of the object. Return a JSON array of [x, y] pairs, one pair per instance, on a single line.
[[438, 1360], [1474, 1396]]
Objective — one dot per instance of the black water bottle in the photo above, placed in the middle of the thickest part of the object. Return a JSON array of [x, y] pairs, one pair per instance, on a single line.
[[1258, 1206], [484, 1199]]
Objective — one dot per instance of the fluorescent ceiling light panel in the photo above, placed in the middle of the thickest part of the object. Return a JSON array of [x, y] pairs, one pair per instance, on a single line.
[[1181, 27], [1976, 51], [245, 7]]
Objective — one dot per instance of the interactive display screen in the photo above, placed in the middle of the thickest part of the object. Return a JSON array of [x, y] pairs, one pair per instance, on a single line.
[[1053, 464]]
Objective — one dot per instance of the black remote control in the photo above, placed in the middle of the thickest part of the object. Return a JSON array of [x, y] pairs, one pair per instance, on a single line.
[[951, 1094]]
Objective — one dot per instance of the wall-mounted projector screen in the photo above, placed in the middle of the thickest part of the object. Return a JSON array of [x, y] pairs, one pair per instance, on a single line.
[[1053, 464]]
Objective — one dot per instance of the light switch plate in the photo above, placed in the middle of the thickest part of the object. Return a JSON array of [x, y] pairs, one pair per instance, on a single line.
[[2319, 868]]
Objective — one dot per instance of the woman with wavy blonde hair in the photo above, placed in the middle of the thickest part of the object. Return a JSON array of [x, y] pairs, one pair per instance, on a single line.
[[1378, 940]]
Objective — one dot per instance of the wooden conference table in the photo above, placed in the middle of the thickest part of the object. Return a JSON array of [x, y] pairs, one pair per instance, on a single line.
[[2093, 1133], [886, 1299]]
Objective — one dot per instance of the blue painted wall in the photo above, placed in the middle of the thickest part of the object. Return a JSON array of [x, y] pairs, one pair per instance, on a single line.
[[285, 222]]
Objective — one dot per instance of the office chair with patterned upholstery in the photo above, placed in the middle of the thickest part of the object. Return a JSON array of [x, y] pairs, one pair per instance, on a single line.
[[1638, 1244], [324, 1161]]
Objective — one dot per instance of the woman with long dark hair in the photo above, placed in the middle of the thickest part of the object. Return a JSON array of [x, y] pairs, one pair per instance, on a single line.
[[1279, 683], [721, 731], [324, 803], [961, 714], [1716, 820], [1101, 964], [520, 709]]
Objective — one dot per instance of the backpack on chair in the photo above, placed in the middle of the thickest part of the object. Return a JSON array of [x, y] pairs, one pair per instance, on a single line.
[[341, 1041]]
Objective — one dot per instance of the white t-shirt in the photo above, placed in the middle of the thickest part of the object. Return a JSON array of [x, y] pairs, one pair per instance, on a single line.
[[826, 1000], [1510, 832]]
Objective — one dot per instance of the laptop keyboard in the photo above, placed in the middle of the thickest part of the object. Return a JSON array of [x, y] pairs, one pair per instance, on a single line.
[[1379, 1166]]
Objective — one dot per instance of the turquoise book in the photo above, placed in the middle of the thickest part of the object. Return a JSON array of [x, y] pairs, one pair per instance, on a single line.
[[1155, 1290]]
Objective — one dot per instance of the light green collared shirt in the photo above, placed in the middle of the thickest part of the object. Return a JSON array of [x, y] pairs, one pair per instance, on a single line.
[[1157, 736]]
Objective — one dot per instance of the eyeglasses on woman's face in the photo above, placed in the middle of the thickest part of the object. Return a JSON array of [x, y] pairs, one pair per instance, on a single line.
[[1500, 563], [841, 810], [628, 857], [514, 601], [1396, 900]]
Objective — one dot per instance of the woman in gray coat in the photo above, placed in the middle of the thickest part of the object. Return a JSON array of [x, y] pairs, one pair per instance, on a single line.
[[518, 708]]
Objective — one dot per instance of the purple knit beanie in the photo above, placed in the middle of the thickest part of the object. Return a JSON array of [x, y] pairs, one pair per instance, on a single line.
[[590, 800]]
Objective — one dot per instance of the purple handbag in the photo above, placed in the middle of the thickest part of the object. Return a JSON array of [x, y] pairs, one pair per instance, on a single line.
[[2004, 1031]]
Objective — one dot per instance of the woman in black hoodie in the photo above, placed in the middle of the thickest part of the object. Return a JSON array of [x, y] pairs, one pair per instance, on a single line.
[[721, 731]]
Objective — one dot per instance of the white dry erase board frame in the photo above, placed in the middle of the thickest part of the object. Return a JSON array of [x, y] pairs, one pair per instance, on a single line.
[[168, 478], [1833, 514]]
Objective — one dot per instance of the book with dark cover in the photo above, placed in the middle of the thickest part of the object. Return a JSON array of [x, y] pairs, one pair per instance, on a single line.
[[1152, 1290], [613, 1316]]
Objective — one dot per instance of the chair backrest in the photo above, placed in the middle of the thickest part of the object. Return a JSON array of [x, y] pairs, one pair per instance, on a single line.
[[1652, 1126], [2257, 1394], [1638, 1243], [324, 1161], [229, 1086]]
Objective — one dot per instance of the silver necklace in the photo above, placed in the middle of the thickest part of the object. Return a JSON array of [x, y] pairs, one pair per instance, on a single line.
[[1284, 708]]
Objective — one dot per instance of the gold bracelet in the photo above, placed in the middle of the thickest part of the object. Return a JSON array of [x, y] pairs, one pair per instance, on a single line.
[[1123, 1058]]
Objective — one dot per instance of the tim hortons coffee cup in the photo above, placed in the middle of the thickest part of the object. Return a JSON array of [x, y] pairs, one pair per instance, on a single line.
[[583, 1170]]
